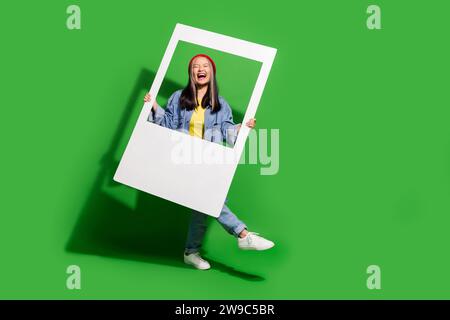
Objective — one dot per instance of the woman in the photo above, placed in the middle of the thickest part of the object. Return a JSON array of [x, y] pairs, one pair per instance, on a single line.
[[200, 111]]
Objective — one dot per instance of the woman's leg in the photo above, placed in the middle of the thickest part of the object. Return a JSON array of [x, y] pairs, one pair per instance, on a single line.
[[230, 222], [234, 226], [196, 232], [197, 228]]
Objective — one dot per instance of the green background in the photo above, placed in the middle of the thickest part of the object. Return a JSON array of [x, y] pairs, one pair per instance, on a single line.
[[364, 153]]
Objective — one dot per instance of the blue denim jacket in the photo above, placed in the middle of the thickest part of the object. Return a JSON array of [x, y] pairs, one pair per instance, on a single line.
[[219, 126]]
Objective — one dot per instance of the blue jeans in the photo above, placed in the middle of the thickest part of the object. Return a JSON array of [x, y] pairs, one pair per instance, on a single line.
[[197, 228]]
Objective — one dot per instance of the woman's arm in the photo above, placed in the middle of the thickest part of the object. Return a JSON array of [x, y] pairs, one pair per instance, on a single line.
[[229, 129], [167, 118]]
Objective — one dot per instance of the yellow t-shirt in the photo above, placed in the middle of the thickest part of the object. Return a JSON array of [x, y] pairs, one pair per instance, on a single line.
[[197, 123]]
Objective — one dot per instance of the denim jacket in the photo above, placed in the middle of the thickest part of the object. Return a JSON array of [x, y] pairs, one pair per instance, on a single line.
[[219, 126]]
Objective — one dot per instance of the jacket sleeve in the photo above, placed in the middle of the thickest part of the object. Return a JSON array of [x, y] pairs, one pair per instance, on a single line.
[[228, 127], [169, 117]]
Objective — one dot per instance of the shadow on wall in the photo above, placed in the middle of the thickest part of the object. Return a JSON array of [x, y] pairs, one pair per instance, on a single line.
[[153, 229]]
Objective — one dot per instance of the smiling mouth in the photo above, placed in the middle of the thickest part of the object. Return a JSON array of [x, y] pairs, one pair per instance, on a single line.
[[201, 76]]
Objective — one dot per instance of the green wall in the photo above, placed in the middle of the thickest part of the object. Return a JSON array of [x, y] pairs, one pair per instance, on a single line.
[[364, 171]]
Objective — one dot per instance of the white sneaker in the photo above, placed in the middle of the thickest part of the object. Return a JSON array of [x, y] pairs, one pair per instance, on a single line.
[[252, 241], [195, 260]]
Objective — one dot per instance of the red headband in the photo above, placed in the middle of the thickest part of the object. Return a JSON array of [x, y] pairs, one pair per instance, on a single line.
[[205, 56]]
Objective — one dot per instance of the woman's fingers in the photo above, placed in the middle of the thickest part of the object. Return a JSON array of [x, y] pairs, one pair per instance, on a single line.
[[147, 98], [251, 123]]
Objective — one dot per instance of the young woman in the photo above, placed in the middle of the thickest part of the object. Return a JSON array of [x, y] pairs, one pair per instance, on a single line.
[[200, 111]]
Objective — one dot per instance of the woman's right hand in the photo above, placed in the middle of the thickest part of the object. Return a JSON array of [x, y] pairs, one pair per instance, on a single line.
[[147, 98]]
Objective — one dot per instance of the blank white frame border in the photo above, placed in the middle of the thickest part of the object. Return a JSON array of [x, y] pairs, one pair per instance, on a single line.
[[146, 163]]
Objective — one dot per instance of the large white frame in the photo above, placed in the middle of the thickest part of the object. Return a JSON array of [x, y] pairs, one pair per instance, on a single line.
[[147, 163]]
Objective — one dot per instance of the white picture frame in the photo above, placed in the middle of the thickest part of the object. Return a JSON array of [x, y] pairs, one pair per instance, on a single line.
[[147, 163]]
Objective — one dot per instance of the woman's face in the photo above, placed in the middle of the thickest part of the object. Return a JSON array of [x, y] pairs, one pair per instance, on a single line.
[[201, 70]]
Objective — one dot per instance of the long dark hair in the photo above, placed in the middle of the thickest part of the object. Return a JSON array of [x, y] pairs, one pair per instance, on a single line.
[[188, 98]]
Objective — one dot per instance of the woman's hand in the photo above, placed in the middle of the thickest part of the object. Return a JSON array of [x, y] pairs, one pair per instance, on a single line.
[[250, 123], [147, 98]]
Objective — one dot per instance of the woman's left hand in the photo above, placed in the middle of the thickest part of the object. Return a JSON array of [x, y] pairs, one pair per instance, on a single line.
[[251, 123]]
